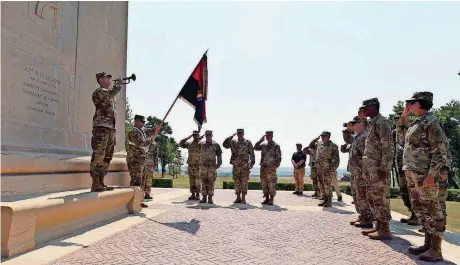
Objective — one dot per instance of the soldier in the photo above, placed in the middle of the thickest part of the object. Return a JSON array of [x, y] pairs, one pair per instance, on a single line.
[[425, 160], [311, 163], [270, 160], [103, 140], [210, 150], [377, 162], [298, 162], [193, 162], [150, 166], [327, 162], [313, 147], [138, 146], [355, 165], [401, 129], [242, 159]]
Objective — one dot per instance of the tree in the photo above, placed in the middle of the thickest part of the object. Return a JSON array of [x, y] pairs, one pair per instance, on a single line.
[[128, 121]]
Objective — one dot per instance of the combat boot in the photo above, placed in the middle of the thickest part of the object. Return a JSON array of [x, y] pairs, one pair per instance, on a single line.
[[147, 196], [364, 223], [359, 219], [204, 199], [383, 233], [101, 179], [323, 202], [327, 201], [210, 199], [315, 194], [192, 197], [434, 253], [96, 185], [243, 198], [197, 196], [405, 220], [339, 199], [266, 199], [419, 250], [367, 232], [270, 200], [238, 198], [143, 205]]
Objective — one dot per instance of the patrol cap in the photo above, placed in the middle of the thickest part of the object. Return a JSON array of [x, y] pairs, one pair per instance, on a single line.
[[325, 133], [103, 74], [139, 118], [428, 96], [240, 130], [195, 133], [298, 144], [269, 133], [208, 133], [356, 119], [370, 102]]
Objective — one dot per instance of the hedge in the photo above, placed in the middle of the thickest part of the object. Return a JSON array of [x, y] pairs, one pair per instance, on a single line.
[[162, 183], [452, 194]]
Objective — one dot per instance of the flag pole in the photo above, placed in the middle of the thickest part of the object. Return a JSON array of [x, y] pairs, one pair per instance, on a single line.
[[177, 97]]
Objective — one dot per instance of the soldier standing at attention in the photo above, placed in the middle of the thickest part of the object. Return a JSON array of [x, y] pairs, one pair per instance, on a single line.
[[270, 160], [313, 147], [193, 162], [298, 162], [150, 165], [355, 165], [138, 146], [425, 161], [210, 152], [103, 140], [242, 159], [377, 162], [311, 163], [327, 162]]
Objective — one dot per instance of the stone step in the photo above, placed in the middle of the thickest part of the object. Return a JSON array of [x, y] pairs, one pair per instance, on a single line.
[[32, 222]]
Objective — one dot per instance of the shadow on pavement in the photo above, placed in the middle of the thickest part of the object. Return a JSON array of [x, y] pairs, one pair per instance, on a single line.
[[190, 227], [274, 208], [404, 229], [203, 206], [241, 206], [335, 210], [187, 202], [401, 245]]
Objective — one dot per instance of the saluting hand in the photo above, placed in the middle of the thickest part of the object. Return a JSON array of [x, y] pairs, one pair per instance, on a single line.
[[262, 139], [406, 110]]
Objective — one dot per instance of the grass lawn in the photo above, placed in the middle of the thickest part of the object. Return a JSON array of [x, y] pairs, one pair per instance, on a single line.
[[453, 213]]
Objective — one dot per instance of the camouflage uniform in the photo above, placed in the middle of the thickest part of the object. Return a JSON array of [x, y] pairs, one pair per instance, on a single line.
[[314, 174], [242, 159], [270, 160], [442, 196], [151, 164], [193, 162], [327, 162], [103, 140], [425, 158], [138, 147], [210, 152], [355, 165]]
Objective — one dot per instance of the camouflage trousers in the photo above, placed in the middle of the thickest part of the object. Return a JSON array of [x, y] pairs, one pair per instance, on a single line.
[[241, 178], [442, 196], [362, 205], [314, 179], [377, 183], [325, 179], [149, 167], [353, 186], [136, 167], [194, 178], [103, 143], [299, 174], [403, 188], [425, 204], [208, 178], [268, 179], [335, 185]]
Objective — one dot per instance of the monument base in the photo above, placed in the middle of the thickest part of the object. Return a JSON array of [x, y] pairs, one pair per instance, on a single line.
[[31, 222]]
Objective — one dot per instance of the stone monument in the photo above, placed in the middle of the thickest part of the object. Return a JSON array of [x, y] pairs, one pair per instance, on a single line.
[[50, 52]]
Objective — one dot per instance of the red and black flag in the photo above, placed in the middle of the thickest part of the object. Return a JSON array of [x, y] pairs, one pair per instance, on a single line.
[[195, 90]]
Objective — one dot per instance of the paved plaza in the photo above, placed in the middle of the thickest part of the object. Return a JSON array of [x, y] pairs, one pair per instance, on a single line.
[[294, 231]]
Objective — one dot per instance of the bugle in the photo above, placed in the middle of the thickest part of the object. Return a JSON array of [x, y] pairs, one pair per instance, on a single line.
[[129, 78]]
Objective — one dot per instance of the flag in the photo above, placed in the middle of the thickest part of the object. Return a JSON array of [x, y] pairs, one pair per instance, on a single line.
[[195, 90]]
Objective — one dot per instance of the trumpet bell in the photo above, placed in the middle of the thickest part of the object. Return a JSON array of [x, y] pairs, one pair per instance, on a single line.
[[133, 77]]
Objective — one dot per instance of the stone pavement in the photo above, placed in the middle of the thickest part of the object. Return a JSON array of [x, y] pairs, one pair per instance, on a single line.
[[294, 231]]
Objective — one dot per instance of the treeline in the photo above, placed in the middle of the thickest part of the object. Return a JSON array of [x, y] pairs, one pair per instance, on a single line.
[[169, 155]]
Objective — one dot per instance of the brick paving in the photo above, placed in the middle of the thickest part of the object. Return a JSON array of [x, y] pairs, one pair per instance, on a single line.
[[188, 233]]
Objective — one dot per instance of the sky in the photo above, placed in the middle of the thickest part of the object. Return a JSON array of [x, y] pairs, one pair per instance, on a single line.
[[296, 68]]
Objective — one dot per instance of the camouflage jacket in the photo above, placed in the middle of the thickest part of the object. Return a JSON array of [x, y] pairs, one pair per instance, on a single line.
[[209, 153], [194, 151], [138, 143], [311, 162], [152, 155], [327, 156], [425, 146], [271, 154], [379, 142], [357, 151], [401, 130], [242, 152], [104, 101]]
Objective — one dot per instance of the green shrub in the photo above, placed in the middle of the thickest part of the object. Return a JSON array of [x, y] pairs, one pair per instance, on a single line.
[[453, 195], [345, 189], [162, 183]]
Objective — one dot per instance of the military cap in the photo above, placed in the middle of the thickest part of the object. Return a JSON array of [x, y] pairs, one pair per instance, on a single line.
[[428, 96], [269, 133], [103, 74], [240, 130], [208, 132], [325, 133], [195, 133], [298, 144], [370, 102], [139, 118], [356, 119]]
